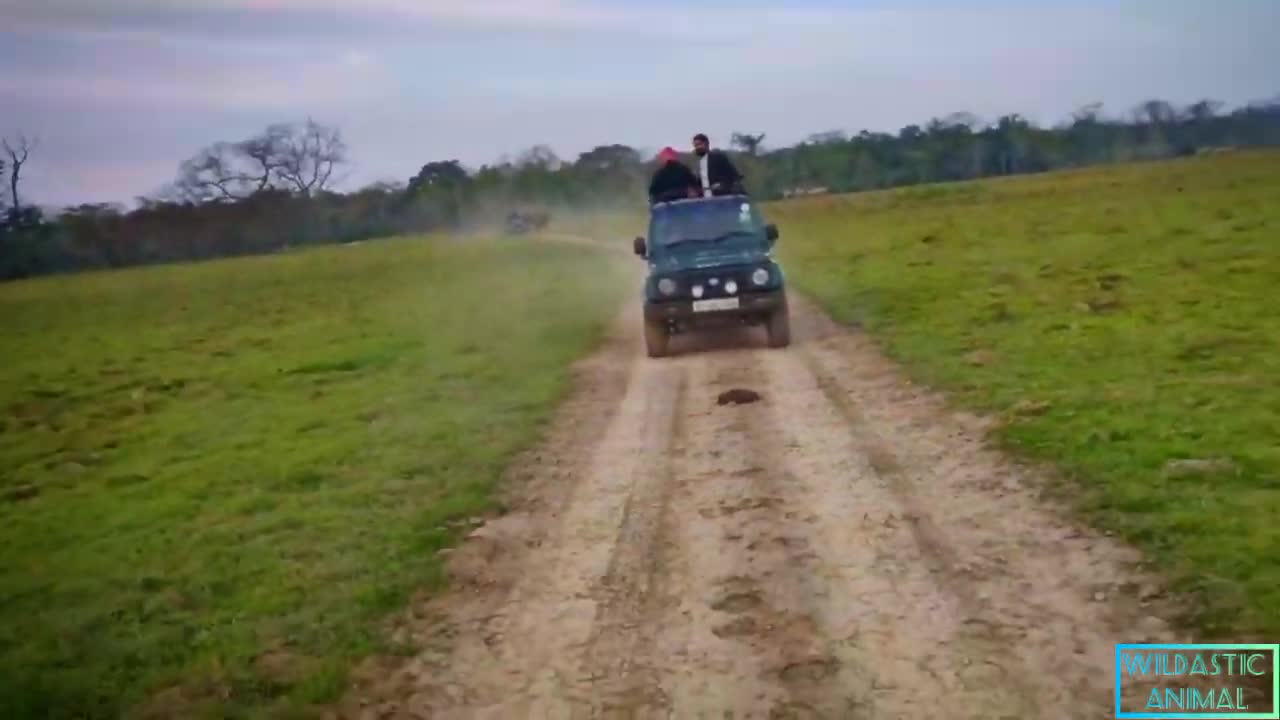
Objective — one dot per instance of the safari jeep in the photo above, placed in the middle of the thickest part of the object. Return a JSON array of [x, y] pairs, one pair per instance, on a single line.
[[710, 265]]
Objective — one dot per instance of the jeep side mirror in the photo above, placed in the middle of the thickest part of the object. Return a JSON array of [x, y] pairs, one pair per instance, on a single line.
[[639, 246], [771, 232]]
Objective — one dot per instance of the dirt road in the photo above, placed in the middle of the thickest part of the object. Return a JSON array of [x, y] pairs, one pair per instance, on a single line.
[[845, 547]]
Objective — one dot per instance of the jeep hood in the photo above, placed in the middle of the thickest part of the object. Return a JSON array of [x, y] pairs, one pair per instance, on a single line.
[[709, 257]]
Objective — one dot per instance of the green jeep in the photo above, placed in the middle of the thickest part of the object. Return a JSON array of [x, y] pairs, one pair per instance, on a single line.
[[710, 265]]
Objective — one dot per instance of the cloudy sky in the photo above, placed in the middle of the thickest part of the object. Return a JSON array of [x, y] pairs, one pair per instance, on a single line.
[[121, 91]]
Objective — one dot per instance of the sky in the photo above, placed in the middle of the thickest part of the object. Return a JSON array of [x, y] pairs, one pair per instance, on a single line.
[[120, 92]]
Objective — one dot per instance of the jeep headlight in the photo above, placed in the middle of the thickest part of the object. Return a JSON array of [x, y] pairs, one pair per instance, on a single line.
[[760, 276], [667, 286]]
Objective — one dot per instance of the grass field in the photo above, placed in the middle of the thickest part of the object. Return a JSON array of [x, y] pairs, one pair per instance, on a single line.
[[219, 477], [208, 465], [1119, 319]]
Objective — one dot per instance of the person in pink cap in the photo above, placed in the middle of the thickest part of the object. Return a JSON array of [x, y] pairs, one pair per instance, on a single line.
[[672, 180]]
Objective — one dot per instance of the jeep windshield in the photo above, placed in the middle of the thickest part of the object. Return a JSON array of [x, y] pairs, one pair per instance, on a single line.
[[728, 220]]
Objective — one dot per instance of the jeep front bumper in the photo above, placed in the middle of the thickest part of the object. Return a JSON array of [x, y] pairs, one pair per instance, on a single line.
[[751, 305]]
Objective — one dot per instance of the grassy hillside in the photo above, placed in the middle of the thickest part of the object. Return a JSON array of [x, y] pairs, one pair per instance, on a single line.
[[1122, 319], [204, 463]]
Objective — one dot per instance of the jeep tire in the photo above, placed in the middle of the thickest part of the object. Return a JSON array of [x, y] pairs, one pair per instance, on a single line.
[[655, 339], [778, 327]]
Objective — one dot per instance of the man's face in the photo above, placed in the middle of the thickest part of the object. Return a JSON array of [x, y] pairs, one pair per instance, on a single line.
[[700, 146]]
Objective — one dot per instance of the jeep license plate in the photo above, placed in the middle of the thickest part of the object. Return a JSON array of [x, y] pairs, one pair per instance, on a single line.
[[715, 304]]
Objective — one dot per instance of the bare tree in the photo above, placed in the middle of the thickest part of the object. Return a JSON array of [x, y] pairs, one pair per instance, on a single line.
[[226, 171], [17, 158], [283, 157], [307, 158]]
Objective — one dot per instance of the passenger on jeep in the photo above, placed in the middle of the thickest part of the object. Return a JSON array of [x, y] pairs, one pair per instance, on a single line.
[[672, 180], [716, 172]]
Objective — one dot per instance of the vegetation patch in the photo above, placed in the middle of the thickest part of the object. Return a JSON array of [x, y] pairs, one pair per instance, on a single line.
[[1123, 323], [218, 477]]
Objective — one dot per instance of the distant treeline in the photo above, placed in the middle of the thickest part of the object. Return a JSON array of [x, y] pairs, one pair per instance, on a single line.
[[272, 191]]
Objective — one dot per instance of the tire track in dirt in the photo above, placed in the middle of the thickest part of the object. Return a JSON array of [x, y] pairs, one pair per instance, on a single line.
[[846, 547], [1046, 597], [618, 664], [545, 589], [566, 601], [740, 635], [905, 635]]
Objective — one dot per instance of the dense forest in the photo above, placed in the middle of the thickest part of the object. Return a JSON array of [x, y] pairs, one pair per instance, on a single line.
[[274, 190]]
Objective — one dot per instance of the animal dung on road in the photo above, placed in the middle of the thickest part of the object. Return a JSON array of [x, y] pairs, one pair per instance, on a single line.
[[738, 396]]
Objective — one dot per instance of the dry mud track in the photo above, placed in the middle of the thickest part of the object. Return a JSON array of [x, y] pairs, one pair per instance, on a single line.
[[845, 547]]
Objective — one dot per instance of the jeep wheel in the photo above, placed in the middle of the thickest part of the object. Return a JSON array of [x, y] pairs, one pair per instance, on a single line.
[[779, 328], [655, 339]]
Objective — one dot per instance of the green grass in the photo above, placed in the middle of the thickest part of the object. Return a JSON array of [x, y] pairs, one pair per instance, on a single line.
[[1118, 318], [203, 463]]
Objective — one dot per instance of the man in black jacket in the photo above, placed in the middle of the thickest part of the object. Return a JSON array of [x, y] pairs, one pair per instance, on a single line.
[[672, 181], [716, 173]]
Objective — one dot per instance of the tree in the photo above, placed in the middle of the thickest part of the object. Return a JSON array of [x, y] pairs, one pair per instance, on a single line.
[[274, 188], [1155, 112], [1203, 111], [17, 158], [438, 174], [609, 158], [299, 159], [1087, 114], [607, 172], [1012, 140], [228, 171], [747, 143], [1154, 120], [537, 176], [95, 233], [909, 134], [829, 137], [437, 194], [1086, 135], [306, 157], [540, 157]]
